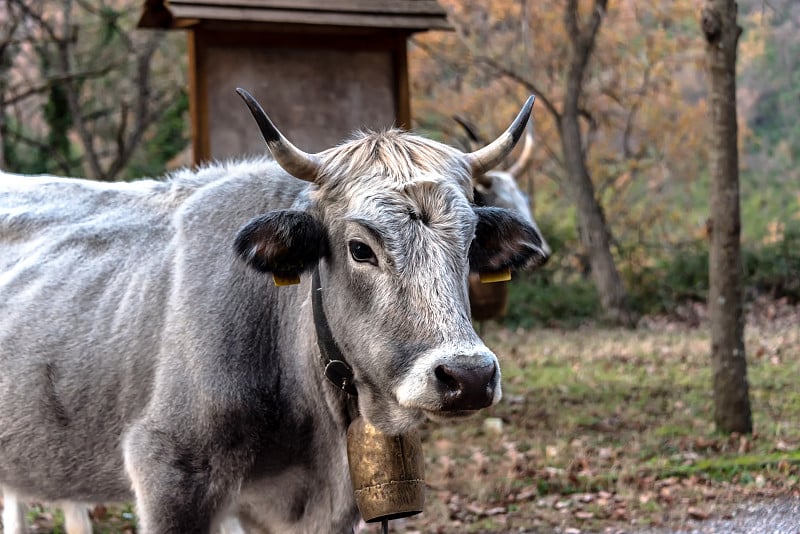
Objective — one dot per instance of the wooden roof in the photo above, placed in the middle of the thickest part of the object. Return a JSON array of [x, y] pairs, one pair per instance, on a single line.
[[404, 15]]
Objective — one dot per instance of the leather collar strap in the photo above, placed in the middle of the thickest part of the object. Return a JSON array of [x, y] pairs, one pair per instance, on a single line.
[[337, 370]]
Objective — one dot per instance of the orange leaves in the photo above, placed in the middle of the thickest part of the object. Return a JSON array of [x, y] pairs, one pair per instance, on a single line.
[[644, 114]]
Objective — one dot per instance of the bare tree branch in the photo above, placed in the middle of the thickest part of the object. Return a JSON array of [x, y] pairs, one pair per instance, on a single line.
[[511, 74], [109, 127], [71, 92], [39, 19], [582, 41], [142, 117], [58, 79], [60, 160]]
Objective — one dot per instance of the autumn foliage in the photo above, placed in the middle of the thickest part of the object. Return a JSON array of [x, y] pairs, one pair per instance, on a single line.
[[642, 108], [644, 115]]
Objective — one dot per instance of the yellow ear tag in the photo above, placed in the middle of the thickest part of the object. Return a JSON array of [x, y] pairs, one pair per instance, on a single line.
[[498, 276], [285, 280]]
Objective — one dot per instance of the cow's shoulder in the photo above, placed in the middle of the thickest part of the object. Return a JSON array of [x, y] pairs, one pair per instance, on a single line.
[[239, 191]]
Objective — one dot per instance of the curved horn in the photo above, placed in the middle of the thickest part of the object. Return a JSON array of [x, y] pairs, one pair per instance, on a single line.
[[525, 159], [488, 157], [293, 160]]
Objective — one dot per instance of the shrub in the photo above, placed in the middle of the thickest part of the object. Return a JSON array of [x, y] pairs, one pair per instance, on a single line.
[[563, 295], [539, 299], [671, 280], [774, 268]]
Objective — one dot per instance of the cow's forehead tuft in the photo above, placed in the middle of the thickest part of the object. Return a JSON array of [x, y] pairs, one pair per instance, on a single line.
[[418, 199], [390, 159]]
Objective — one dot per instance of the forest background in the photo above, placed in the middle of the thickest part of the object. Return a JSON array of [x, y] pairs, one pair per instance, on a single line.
[[644, 122]]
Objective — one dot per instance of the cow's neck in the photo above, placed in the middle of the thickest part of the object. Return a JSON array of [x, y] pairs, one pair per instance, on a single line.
[[337, 370]]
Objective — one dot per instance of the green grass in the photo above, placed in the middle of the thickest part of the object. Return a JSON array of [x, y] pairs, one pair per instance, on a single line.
[[728, 467], [627, 412]]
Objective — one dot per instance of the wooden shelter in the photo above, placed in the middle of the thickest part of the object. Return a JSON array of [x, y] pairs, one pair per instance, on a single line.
[[320, 68]]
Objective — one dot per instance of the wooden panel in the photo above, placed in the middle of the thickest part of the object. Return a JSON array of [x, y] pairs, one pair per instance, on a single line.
[[315, 96], [353, 6], [403, 101], [371, 20], [284, 36]]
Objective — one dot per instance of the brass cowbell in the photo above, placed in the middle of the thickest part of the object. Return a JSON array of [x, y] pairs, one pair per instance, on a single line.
[[388, 472]]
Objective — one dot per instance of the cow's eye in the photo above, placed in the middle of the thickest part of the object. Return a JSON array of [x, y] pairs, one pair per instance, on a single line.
[[362, 253]]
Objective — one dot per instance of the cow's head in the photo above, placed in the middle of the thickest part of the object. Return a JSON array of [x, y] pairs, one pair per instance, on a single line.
[[393, 233]]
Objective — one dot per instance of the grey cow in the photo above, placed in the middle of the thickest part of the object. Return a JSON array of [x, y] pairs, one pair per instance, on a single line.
[[146, 352]]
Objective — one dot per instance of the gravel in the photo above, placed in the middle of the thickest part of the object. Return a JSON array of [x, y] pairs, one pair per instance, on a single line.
[[775, 516]]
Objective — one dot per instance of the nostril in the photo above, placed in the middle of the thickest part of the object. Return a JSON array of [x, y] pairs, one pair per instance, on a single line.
[[467, 387], [445, 375]]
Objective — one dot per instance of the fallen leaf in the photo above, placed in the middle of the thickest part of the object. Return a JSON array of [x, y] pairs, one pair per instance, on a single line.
[[697, 513], [620, 514], [476, 509]]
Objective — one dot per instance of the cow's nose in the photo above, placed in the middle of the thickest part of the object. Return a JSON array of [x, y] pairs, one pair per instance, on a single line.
[[466, 388]]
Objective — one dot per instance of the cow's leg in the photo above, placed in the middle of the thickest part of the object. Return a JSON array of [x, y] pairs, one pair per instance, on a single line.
[[76, 518], [13, 513], [178, 489]]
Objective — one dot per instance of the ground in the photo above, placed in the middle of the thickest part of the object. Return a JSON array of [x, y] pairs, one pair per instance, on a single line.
[[608, 430]]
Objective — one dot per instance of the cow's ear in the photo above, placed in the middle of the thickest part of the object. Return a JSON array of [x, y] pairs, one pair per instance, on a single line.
[[503, 241], [284, 243]]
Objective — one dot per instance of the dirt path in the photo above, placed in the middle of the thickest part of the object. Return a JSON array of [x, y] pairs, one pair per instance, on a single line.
[[775, 516]]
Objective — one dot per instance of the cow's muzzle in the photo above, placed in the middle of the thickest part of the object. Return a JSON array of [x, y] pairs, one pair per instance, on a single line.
[[466, 388], [451, 382]]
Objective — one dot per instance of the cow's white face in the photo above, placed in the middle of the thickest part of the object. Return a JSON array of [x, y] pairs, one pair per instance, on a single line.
[[397, 300], [394, 234]]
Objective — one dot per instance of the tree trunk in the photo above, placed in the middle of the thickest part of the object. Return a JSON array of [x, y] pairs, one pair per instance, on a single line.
[[592, 226], [729, 367]]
